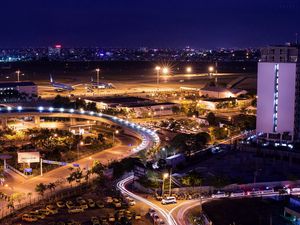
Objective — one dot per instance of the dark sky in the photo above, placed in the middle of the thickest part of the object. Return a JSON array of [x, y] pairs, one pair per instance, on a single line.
[[153, 23]]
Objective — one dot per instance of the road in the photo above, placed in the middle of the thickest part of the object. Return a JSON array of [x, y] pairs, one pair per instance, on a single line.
[[176, 214], [163, 212], [19, 184]]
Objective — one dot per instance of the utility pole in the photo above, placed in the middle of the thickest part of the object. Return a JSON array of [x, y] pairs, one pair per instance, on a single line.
[[41, 162], [170, 186]]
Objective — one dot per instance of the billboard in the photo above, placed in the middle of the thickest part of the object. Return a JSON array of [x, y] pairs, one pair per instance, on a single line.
[[28, 157]]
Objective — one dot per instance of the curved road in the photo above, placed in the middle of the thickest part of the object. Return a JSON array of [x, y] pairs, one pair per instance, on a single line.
[[129, 145], [166, 214]]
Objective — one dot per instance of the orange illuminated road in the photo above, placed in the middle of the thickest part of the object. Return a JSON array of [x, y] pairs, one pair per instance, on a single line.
[[19, 184]]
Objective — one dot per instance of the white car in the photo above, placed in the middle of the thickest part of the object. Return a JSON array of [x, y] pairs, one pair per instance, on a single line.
[[169, 200]]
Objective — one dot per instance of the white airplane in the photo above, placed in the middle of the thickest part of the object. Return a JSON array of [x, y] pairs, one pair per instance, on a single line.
[[60, 86]]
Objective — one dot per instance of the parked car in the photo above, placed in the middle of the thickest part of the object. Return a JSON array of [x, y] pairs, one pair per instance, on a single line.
[[29, 218], [75, 209], [91, 203], [60, 204], [69, 204], [52, 209]]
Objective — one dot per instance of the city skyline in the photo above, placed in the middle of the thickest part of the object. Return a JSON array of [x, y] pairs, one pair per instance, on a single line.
[[198, 24]]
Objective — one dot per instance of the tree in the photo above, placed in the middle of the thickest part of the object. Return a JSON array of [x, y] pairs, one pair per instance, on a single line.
[[29, 195], [101, 138], [175, 109], [211, 118], [51, 186], [220, 133], [98, 169], [202, 139], [192, 179], [40, 189]]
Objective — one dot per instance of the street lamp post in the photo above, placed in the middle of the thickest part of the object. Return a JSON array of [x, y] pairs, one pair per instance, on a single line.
[[78, 146], [114, 136], [165, 176], [157, 68], [98, 71], [18, 75], [165, 150], [170, 186]]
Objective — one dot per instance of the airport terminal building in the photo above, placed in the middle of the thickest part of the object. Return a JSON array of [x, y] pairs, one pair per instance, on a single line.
[[278, 93], [18, 91]]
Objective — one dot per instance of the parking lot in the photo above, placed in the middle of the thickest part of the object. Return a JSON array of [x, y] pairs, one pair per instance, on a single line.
[[88, 210]]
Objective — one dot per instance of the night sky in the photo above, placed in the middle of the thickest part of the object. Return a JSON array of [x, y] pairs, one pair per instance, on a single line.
[[152, 23]]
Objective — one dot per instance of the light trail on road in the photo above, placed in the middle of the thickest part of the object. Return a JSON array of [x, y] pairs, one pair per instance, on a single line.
[[121, 185]]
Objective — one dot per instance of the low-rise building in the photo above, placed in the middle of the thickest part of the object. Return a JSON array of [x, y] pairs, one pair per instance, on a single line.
[[18, 91], [140, 107], [220, 92]]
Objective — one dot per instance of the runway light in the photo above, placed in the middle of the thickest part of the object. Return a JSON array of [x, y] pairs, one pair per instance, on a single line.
[[91, 113], [61, 109], [71, 110], [41, 108], [9, 108], [19, 108], [51, 109], [81, 111], [100, 114]]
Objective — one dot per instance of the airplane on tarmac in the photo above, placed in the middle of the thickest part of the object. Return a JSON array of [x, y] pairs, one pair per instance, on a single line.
[[60, 86]]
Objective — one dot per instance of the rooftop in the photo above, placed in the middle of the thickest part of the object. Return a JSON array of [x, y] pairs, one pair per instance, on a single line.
[[221, 89], [17, 84]]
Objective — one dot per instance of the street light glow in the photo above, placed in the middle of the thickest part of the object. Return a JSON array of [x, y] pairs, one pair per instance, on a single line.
[[166, 175], [165, 70], [189, 69], [157, 68], [211, 69]]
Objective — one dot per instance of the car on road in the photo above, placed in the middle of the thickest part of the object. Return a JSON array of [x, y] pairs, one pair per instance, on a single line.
[[219, 194], [169, 200], [237, 193]]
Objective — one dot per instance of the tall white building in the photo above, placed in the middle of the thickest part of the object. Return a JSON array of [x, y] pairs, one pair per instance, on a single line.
[[278, 112]]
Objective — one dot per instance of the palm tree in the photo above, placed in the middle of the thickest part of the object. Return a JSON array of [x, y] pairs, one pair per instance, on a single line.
[[10, 205], [51, 186], [87, 175], [29, 194], [41, 188], [70, 178]]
